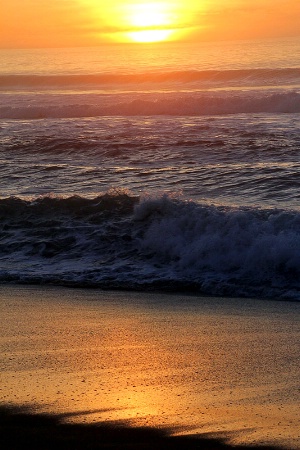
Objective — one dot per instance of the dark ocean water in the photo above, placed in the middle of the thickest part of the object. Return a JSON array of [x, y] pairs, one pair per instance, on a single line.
[[174, 175]]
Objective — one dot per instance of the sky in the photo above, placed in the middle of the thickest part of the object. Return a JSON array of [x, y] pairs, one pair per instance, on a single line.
[[69, 23]]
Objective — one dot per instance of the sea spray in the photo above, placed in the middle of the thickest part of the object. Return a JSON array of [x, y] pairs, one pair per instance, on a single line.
[[116, 240]]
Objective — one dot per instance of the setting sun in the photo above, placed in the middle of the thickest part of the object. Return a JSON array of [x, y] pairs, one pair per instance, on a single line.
[[149, 15], [27, 23], [151, 22], [150, 35]]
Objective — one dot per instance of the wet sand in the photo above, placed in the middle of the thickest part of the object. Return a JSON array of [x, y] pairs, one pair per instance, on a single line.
[[190, 364]]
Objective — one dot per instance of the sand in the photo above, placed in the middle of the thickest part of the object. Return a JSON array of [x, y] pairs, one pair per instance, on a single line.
[[199, 365]]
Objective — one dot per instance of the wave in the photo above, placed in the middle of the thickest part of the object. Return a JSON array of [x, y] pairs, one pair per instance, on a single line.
[[172, 104], [241, 77], [118, 241]]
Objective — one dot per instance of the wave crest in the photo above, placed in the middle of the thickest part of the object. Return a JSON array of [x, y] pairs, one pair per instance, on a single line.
[[172, 104], [234, 77], [119, 241]]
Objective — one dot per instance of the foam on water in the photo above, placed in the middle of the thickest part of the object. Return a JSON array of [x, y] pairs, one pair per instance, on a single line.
[[235, 160], [177, 93], [218, 123], [119, 241]]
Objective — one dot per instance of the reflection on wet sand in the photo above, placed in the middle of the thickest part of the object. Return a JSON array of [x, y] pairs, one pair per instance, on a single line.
[[206, 365]]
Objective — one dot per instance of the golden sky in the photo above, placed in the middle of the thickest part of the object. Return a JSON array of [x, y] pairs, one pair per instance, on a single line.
[[64, 23]]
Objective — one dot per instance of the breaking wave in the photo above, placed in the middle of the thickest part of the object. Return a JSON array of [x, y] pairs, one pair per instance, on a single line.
[[118, 241], [172, 104], [241, 77]]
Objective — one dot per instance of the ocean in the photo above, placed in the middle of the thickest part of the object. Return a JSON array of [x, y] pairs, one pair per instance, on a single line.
[[170, 167]]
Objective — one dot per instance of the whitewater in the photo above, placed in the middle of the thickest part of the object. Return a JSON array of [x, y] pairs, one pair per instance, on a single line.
[[173, 168]]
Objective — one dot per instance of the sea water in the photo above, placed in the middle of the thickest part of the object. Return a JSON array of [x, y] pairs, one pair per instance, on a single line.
[[157, 166]]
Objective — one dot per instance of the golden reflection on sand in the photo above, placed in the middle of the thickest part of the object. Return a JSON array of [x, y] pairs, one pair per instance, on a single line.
[[157, 360]]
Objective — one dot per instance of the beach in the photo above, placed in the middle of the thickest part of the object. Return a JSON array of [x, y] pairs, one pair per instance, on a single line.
[[150, 225], [190, 363]]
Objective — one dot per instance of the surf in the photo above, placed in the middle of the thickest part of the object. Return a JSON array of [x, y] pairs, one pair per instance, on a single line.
[[117, 240]]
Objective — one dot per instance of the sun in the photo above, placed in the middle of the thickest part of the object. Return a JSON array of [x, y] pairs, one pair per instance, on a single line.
[[150, 22], [150, 35], [149, 15]]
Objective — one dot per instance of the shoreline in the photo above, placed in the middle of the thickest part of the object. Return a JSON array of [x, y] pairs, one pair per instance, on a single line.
[[166, 290], [212, 365]]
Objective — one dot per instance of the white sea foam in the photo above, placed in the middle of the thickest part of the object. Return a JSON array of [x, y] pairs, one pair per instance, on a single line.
[[222, 127], [113, 241]]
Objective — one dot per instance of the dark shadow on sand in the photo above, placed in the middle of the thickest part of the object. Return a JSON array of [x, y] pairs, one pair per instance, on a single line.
[[21, 428]]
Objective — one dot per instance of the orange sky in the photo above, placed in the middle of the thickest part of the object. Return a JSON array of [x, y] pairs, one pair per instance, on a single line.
[[63, 23]]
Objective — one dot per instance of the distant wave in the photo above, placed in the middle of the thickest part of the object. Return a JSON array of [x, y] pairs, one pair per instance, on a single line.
[[242, 77], [174, 104], [118, 241]]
